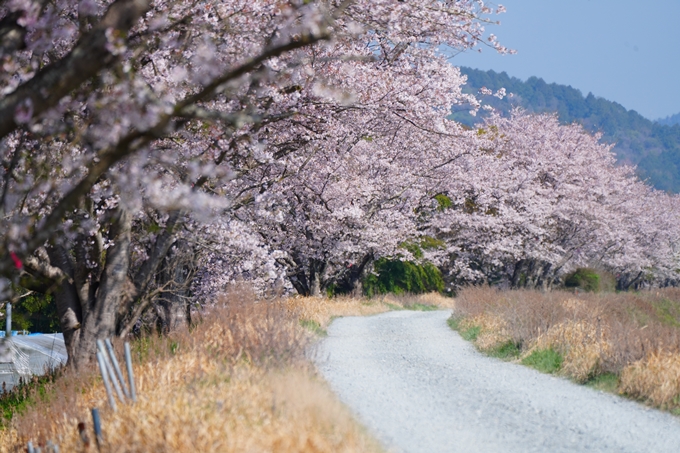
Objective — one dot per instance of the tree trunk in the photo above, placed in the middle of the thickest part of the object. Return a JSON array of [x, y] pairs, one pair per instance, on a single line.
[[88, 295], [99, 316], [351, 280], [519, 275], [317, 269], [306, 276], [173, 309]]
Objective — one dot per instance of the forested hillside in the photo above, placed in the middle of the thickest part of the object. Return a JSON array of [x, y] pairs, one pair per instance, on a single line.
[[653, 147], [670, 120]]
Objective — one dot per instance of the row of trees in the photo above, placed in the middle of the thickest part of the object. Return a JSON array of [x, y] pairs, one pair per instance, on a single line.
[[146, 144], [154, 151]]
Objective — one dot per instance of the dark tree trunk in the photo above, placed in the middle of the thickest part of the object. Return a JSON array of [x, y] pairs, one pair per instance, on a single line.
[[519, 275], [350, 281], [94, 297], [316, 272], [173, 308], [306, 276], [87, 298], [99, 317]]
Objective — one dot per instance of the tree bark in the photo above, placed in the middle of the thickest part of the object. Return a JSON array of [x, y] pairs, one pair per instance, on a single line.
[[317, 269], [519, 272], [69, 308], [174, 311], [99, 318]]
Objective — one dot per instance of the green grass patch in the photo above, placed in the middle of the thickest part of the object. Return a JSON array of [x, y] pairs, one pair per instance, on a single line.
[[31, 392], [471, 333], [314, 327], [668, 311], [453, 322], [544, 360], [607, 382], [507, 351]]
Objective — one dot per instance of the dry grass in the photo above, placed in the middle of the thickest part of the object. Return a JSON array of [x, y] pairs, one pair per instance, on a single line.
[[239, 382], [322, 311], [432, 299], [622, 333], [493, 330], [583, 345], [656, 378]]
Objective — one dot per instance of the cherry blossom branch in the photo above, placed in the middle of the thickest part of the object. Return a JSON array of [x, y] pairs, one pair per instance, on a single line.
[[137, 140], [90, 55]]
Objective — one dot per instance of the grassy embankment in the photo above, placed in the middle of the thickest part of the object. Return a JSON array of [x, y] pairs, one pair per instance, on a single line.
[[239, 381], [628, 343]]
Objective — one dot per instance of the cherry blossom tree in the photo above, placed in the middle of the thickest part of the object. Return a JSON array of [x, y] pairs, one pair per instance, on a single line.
[[542, 199], [131, 129]]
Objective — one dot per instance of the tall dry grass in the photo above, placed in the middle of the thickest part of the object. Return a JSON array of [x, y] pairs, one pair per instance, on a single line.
[[237, 382], [634, 335], [322, 311]]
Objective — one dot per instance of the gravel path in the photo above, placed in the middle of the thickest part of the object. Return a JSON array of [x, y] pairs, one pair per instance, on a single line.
[[421, 388]]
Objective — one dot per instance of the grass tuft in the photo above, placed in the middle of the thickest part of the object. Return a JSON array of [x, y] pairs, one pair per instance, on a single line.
[[656, 380], [607, 382], [24, 396], [470, 333], [544, 360], [421, 307], [454, 322], [313, 327], [506, 351]]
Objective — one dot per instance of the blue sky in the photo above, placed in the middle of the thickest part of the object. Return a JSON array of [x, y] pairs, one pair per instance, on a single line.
[[622, 50]]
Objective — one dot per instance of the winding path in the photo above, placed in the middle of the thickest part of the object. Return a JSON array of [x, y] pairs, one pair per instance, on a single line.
[[419, 387]]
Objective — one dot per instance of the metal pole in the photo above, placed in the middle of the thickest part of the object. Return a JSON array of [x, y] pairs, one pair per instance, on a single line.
[[8, 320], [116, 367], [131, 377], [97, 423], [105, 378], [110, 372]]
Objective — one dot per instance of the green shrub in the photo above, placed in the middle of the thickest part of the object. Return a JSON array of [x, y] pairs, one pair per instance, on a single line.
[[35, 312], [583, 278], [399, 277]]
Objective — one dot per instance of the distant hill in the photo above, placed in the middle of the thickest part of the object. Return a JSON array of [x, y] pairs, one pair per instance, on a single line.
[[652, 146], [670, 120]]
